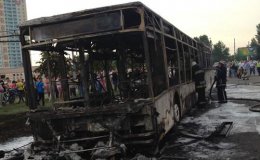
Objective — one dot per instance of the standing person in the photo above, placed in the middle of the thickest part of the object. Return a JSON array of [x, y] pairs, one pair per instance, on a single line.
[[72, 86], [97, 83], [80, 85], [252, 67], [221, 79], [59, 87], [40, 90], [2, 90], [102, 82], [47, 87], [258, 67], [115, 80], [233, 69], [246, 70], [20, 90], [240, 70], [12, 85], [198, 77], [8, 82]]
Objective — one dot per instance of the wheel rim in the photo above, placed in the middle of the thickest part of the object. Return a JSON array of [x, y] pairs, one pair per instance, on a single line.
[[176, 113]]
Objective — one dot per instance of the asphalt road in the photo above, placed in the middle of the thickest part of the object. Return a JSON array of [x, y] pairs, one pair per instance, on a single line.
[[190, 139]]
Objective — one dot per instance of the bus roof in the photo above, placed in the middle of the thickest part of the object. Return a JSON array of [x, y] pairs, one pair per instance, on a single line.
[[41, 26], [78, 14]]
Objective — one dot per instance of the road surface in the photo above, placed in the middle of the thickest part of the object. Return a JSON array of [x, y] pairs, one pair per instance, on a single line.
[[189, 139]]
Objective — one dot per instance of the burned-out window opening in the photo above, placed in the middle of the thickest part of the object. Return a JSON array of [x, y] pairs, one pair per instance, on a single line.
[[157, 64], [187, 63], [202, 54], [196, 56], [157, 22], [26, 37], [178, 34], [148, 19], [172, 61], [117, 72], [132, 18], [152, 20], [182, 62], [168, 29]]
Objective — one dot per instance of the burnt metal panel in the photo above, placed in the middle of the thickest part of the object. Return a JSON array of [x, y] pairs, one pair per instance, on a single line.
[[91, 24], [82, 13]]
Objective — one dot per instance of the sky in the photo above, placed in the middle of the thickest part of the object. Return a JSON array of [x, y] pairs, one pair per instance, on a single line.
[[221, 20]]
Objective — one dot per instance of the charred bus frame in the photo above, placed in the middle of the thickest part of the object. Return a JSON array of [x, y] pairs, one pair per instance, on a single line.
[[153, 60]]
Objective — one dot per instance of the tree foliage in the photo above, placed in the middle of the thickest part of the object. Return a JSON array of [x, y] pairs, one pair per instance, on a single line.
[[256, 42], [220, 52], [254, 46], [258, 33], [204, 39], [54, 62]]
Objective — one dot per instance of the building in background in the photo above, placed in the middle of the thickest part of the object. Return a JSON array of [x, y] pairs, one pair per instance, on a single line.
[[12, 13], [16, 73]]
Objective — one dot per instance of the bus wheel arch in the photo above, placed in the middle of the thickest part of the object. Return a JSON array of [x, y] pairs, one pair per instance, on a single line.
[[177, 108]]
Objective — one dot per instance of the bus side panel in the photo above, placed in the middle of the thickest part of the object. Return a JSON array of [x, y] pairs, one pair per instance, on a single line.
[[164, 109], [187, 97], [164, 105]]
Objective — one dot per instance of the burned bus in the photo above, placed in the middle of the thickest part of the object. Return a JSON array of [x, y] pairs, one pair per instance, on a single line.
[[150, 58]]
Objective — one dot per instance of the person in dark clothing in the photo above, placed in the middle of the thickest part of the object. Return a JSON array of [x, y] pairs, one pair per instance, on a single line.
[[221, 80], [198, 76], [115, 80]]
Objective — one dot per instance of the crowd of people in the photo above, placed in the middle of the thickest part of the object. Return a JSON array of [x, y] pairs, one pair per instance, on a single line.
[[243, 69], [17, 87], [75, 86], [235, 69], [43, 87]]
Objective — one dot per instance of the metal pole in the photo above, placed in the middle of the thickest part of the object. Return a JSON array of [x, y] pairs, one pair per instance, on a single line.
[[148, 63], [73, 66], [83, 76], [52, 87], [29, 84]]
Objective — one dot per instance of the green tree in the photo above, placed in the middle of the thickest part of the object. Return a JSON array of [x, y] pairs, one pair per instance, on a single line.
[[220, 52], [253, 42], [204, 39], [54, 62], [256, 42], [254, 46], [258, 33]]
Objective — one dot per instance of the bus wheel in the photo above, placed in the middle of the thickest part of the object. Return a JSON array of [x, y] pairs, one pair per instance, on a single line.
[[177, 113]]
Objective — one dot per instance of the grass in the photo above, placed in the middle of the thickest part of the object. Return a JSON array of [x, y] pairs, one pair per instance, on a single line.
[[10, 109], [15, 108]]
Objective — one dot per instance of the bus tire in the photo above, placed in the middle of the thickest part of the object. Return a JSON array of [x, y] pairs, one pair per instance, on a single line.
[[177, 113]]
